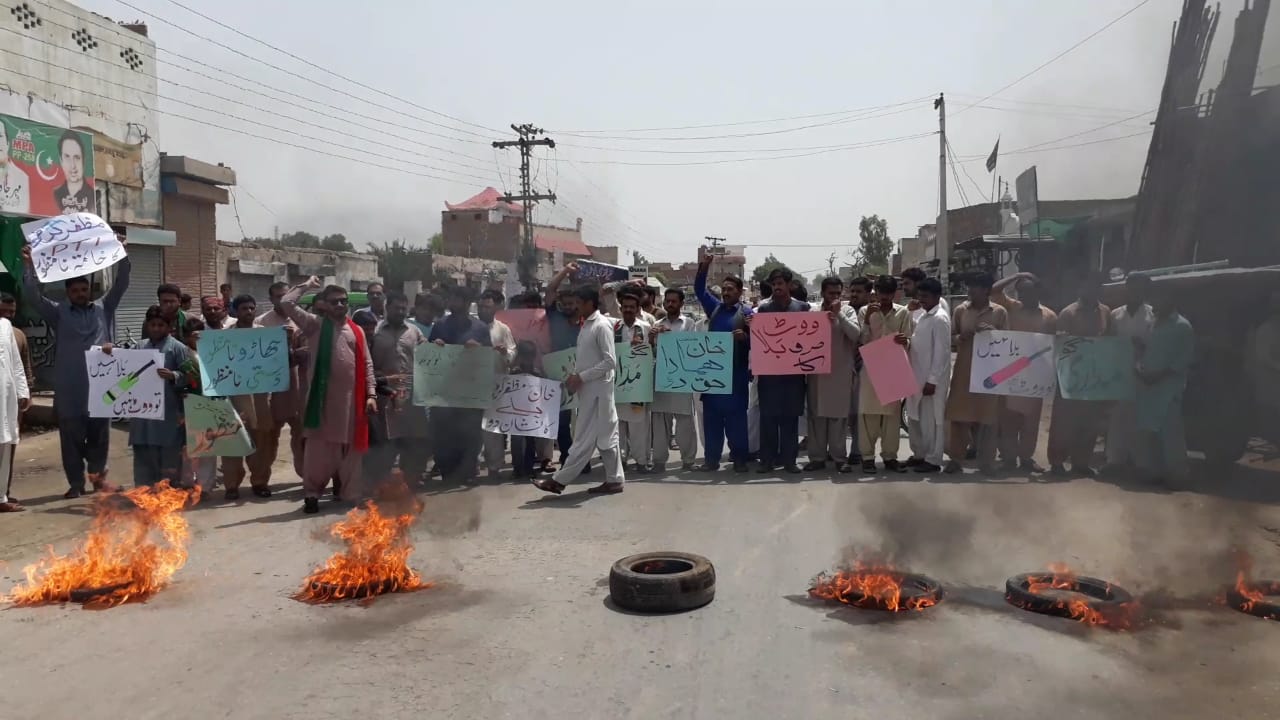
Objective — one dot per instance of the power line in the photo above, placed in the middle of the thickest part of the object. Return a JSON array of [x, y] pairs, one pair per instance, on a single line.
[[1090, 131], [293, 74], [1059, 56], [244, 133], [346, 113], [954, 161], [839, 148], [292, 118], [326, 70]]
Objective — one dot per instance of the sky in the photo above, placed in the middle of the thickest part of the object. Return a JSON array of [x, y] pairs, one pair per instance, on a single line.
[[428, 86]]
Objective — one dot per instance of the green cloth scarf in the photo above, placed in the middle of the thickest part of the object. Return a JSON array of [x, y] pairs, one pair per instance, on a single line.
[[320, 378]]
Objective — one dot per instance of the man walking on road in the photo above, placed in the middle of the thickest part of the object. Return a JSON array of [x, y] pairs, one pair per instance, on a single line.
[[79, 324], [596, 424], [931, 363], [340, 396]]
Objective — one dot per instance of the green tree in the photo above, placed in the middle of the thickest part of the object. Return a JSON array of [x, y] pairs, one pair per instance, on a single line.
[[762, 270], [436, 243], [398, 262], [337, 242], [874, 246]]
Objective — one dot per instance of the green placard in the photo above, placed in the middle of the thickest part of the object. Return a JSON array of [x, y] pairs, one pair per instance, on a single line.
[[454, 376], [633, 383]]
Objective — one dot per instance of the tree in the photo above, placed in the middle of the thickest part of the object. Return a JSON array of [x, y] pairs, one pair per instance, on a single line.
[[638, 260], [302, 239], [436, 243], [398, 262], [874, 247], [762, 270], [337, 242]]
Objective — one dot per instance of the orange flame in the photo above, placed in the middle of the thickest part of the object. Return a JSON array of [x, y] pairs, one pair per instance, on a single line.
[[137, 541], [868, 585], [1062, 579], [1244, 582], [375, 561]]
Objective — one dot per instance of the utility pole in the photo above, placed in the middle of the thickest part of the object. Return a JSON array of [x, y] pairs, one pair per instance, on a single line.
[[526, 261], [831, 264], [942, 241]]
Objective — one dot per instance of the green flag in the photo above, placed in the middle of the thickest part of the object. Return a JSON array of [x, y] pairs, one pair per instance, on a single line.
[[11, 242]]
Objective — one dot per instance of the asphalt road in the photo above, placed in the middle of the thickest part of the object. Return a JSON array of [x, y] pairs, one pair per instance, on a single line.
[[519, 625]]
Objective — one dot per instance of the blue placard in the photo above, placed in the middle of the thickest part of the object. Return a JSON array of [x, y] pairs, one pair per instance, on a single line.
[[243, 361], [1094, 368], [695, 362]]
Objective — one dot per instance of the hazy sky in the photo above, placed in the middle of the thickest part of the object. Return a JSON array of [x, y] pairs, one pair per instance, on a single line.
[[573, 66]]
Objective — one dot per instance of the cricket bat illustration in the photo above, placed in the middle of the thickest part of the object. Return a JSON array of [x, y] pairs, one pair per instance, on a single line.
[[1011, 369], [125, 384]]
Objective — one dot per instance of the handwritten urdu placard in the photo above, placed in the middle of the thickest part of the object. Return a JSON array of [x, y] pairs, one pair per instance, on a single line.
[[125, 384], [214, 428], [1006, 362], [790, 343], [243, 361], [695, 362], [524, 405], [1094, 368], [69, 246]]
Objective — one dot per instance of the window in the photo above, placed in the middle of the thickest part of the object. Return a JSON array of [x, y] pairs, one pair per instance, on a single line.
[[476, 216]]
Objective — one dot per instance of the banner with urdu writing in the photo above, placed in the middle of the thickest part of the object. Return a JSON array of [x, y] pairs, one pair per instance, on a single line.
[[454, 376]]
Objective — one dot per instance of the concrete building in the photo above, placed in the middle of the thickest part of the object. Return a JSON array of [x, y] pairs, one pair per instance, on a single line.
[[252, 269], [485, 227], [604, 253]]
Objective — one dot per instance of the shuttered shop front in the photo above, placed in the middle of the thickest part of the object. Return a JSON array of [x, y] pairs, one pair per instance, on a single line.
[[147, 275]]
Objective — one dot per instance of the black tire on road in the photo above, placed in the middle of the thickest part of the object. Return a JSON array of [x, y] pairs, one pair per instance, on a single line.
[[1101, 594], [1265, 610], [661, 582]]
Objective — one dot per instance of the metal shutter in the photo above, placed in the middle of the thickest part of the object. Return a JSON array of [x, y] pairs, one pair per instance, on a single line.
[[255, 285], [146, 276]]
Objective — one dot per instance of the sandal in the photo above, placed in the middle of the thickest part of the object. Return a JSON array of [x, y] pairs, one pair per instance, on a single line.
[[11, 506], [548, 485]]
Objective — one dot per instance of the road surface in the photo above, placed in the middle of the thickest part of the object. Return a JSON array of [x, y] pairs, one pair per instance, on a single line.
[[519, 625]]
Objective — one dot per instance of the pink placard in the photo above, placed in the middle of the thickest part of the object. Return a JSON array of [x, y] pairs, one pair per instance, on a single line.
[[790, 343], [889, 368], [528, 325]]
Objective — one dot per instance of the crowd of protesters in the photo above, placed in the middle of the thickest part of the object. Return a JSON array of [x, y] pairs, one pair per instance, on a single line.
[[349, 405]]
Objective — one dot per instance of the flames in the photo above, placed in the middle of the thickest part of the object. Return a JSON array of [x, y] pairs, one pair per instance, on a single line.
[[870, 586], [376, 558], [1061, 588], [137, 541], [1250, 593]]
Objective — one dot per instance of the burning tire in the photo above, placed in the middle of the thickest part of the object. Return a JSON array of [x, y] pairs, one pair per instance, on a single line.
[[84, 595], [659, 582], [878, 588], [1047, 593], [358, 591], [1251, 599]]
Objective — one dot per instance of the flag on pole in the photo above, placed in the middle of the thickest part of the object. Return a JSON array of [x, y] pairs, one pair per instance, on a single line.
[[991, 159]]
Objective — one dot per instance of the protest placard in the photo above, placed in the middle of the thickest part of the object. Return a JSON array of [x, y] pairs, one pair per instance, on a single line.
[[125, 384], [558, 366], [68, 246], [633, 382], [214, 428], [528, 325], [695, 362], [1094, 368], [454, 376], [243, 361], [887, 364], [590, 271], [524, 405], [790, 343], [1013, 363]]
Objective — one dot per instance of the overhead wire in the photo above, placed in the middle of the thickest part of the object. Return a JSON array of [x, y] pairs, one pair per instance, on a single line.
[[839, 148], [323, 69], [1057, 57], [955, 161], [299, 76]]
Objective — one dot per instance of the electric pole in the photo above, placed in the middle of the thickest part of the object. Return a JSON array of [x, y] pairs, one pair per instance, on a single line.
[[831, 264], [942, 242], [526, 261]]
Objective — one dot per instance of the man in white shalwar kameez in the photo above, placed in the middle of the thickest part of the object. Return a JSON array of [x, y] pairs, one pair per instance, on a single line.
[[595, 426], [931, 362], [15, 396]]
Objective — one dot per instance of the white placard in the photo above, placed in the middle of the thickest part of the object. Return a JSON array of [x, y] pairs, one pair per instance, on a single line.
[[1013, 363], [72, 245], [125, 384], [524, 405]]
